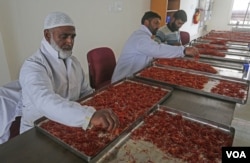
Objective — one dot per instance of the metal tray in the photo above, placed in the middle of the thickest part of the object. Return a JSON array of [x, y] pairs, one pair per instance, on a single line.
[[239, 49], [229, 44], [230, 55], [85, 157], [222, 70], [213, 81], [113, 142], [134, 80], [139, 151], [223, 64], [229, 129], [218, 35]]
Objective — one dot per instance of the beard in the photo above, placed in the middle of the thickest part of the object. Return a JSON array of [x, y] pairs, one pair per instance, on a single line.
[[174, 26], [62, 54], [152, 30]]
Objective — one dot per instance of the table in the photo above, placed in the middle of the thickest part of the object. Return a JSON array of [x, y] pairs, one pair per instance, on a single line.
[[34, 147]]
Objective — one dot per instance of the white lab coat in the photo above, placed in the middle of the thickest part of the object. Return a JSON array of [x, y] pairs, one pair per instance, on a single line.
[[9, 108], [139, 50], [50, 88]]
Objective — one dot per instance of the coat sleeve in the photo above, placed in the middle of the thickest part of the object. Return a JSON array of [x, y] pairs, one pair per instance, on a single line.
[[85, 87], [7, 116], [38, 88], [152, 48]]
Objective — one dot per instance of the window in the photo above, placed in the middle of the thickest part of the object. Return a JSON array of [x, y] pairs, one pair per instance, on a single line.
[[241, 13]]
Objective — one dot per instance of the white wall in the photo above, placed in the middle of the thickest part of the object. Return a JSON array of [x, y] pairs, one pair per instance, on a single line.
[[220, 15], [97, 24], [189, 7], [4, 69]]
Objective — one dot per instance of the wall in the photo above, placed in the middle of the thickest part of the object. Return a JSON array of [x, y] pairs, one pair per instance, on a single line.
[[98, 23], [219, 19], [4, 69], [189, 7], [221, 15]]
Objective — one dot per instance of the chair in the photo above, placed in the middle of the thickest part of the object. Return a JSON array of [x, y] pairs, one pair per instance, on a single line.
[[101, 62], [10, 110], [185, 37]]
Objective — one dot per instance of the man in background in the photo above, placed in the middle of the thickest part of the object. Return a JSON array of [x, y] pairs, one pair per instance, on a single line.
[[169, 33], [140, 48], [52, 80]]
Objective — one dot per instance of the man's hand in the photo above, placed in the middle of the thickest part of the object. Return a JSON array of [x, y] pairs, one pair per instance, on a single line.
[[105, 118], [192, 51]]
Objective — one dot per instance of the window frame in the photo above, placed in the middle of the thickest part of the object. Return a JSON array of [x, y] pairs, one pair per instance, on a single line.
[[244, 17]]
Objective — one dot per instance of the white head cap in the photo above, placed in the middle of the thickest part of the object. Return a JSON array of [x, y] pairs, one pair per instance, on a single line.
[[57, 19]]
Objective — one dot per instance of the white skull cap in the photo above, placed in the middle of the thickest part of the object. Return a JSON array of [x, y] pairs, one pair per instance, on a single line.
[[57, 19]]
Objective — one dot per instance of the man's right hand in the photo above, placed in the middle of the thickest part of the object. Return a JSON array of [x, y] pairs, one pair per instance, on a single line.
[[105, 118], [192, 51]]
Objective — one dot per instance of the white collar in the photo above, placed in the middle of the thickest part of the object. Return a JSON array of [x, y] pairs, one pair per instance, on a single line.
[[144, 28], [47, 49]]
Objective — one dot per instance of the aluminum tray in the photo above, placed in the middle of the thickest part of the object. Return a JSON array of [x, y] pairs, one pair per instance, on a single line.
[[213, 81], [129, 150], [223, 64], [237, 50], [135, 80], [224, 71], [228, 38], [230, 45], [230, 130], [228, 42], [85, 157], [227, 58], [110, 145], [230, 56]]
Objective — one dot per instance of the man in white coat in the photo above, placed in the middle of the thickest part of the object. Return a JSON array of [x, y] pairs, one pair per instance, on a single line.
[[140, 48], [52, 80], [9, 108]]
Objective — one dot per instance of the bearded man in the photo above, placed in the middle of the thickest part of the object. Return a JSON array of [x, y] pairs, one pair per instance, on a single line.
[[170, 33], [52, 80], [140, 49]]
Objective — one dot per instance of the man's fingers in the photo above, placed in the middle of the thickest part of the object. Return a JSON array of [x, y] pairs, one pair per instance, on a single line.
[[114, 117], [105, 118], [112, 120]]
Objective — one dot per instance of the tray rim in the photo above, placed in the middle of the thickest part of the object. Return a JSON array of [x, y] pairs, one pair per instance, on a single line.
[[228, 98], [130, 79], [199, 119], [197, 71]]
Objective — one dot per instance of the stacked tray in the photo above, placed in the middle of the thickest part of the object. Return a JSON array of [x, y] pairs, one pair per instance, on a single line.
[[169, 135], [217, 87], [130, 99], [216, 69]]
